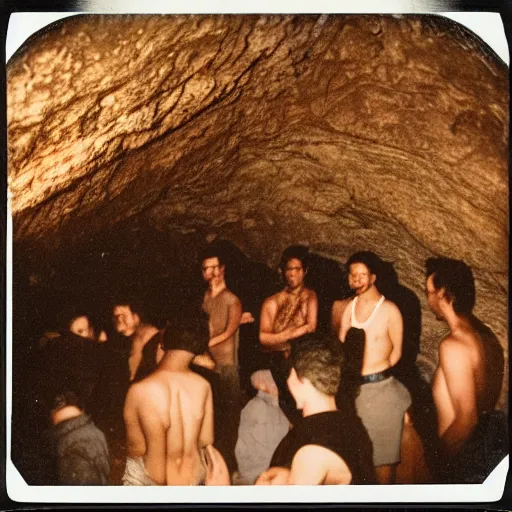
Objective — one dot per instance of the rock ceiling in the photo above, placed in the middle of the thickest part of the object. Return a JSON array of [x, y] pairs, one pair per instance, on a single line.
[[387, 133]]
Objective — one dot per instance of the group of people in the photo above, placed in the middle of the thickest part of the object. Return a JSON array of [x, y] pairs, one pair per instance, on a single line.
[[337, 412]]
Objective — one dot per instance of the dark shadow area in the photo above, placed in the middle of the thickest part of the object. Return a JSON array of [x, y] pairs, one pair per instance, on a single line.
[[328, 279]]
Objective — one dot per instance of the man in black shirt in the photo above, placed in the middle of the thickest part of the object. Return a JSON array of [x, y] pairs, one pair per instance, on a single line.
[[327, 446]]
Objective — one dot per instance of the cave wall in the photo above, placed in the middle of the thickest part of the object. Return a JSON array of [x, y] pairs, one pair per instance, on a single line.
[[344, 132]]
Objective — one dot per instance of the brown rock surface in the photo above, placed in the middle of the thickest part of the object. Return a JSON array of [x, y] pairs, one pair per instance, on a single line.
[[343, 132]]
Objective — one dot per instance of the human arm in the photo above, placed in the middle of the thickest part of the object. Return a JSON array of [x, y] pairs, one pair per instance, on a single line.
[[274, 476], [142, 421], [315, 465], [235, 314], [204, 360], [206, 436], [395, 332], [456, 367], [135, 441], [337, 310], [217, 472], [278, 341]]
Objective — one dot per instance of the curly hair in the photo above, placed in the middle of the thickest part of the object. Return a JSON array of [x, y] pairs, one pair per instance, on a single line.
[[319, 358]]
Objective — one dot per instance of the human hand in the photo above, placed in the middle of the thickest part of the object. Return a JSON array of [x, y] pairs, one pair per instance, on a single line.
[[246, 318], [217, 472], [274, 476], [205, 361]]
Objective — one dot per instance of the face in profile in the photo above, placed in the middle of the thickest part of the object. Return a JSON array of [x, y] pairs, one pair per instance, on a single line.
[[294, 273], [125, 321], [433, 297], [212, 269], [81, 327], [294, 383], [360, 279]]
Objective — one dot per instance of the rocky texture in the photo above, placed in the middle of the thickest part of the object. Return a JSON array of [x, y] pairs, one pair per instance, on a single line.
[[343, 132]]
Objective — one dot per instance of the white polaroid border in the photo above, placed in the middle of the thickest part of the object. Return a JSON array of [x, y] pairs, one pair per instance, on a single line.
[[489, 27]]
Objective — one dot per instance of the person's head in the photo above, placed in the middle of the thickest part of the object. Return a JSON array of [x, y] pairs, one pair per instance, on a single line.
[[213, 265], [363, 270], [188, 332], [294, 265], [449, 283], [316, 365], [64, 398], [126, 317], [81, 326]]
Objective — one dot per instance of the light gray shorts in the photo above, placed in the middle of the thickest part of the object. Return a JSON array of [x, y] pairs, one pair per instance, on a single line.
[[381, 407]]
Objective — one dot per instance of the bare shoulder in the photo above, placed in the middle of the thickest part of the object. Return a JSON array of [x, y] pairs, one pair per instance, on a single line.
[[270, 303], [309, 294], [340, 305], [391, 308], [231, 297], [454, 346]]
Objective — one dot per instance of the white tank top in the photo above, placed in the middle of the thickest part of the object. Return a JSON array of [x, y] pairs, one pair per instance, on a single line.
[[362, 325]]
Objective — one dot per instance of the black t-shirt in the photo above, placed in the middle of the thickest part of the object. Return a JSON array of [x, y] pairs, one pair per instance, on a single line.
[[344, 434]]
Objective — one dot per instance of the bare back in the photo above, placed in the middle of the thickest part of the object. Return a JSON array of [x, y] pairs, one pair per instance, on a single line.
[[383, 333], [169, 420], [469, 375]]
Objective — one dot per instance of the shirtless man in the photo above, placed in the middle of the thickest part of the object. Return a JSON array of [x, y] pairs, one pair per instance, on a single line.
[[169, 414], [128, 322], [326, 446], [224, 311], [383, 400], [468, 379], [286, 316]]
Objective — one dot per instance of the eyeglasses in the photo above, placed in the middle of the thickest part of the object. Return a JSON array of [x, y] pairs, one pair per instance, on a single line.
[[211, 266]]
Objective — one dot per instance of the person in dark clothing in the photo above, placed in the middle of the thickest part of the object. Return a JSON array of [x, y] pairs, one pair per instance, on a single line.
[[78, 446], [327, 446]]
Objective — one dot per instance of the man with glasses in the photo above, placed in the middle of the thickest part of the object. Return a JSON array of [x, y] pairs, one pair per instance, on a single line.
[[224, 311], [286, 316]]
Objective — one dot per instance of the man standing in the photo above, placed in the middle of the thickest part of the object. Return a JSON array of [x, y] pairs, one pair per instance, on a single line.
[[286, 316], [469, 376], [224, 311], [128, 322], [169, 414], [382, 401], [327, 445]]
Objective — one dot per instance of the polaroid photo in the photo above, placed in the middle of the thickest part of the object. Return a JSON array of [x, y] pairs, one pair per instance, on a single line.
[[274, 181]]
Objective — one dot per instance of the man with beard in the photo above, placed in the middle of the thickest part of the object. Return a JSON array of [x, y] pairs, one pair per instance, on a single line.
[[468, 379], [286, 316], [382, 401]]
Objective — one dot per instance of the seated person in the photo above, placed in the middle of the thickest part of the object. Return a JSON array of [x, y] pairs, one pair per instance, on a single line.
[[262, 424], [327, 446]]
